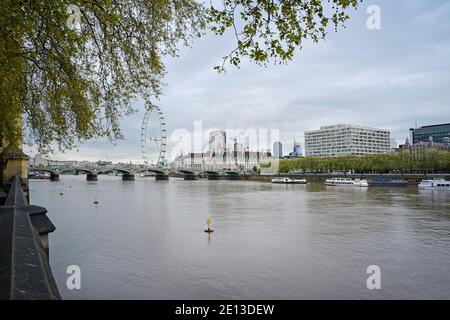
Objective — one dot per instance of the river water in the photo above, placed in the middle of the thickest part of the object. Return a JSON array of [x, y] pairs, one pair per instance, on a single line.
[[146, 239]]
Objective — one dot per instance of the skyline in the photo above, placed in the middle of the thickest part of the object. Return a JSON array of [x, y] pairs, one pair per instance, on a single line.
[[391, 78]]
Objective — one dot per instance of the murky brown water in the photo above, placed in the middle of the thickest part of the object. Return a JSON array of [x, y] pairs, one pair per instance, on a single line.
[[145, 239]]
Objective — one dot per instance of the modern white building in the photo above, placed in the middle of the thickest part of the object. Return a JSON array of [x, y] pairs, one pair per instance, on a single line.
[[347, 140]]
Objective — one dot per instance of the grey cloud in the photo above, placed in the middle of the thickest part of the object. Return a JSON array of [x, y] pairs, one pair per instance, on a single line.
[[389, 78]]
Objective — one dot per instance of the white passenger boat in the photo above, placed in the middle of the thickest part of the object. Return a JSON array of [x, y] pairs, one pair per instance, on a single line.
[[347, 182], [289, 181], [438, 184]]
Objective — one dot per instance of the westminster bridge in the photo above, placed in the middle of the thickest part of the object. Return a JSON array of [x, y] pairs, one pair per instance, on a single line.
[[129, 173]]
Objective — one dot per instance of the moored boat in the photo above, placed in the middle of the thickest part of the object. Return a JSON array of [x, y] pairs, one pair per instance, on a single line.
[[335, 182], [39, 175], [289, 181], [387, 182], [435, 184]]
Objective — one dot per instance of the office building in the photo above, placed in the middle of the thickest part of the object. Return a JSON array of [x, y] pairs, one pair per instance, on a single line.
[[277, 150], [438, 133], [297, 150], [347, 140]]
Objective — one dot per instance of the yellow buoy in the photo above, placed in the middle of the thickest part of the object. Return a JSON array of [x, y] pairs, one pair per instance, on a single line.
[[209, 223]]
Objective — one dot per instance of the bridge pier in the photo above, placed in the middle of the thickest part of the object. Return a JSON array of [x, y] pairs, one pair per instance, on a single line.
[[91, 177], [161, 177], [233, 176], [54, 177], [213, 175], [127, 177], [190, 177]]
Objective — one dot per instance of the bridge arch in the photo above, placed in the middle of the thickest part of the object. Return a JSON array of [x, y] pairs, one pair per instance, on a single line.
[[188, 174], [54, 172], [49, 170], [124, 171], [86, 170], [213, 174]]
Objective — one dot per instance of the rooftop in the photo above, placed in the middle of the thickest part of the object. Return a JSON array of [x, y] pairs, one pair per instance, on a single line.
[[434, 126], [342, 125]]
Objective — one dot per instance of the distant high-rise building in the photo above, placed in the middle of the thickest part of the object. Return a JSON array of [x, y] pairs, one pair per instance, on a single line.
[[347, 140], [297, 150], [277, 150], [437, 132], [217, 142]]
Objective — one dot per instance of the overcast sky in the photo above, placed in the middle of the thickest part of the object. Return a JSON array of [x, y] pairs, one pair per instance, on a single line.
[[389, 78]]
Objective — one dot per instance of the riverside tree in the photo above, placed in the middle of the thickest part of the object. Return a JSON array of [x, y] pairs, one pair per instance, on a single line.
[[69, 68], [425, 161]]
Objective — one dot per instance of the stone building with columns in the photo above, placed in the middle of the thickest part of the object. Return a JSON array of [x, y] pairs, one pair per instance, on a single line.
[[243, 160]]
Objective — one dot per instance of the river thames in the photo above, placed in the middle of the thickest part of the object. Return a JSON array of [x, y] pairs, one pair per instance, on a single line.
[[145, 239]]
